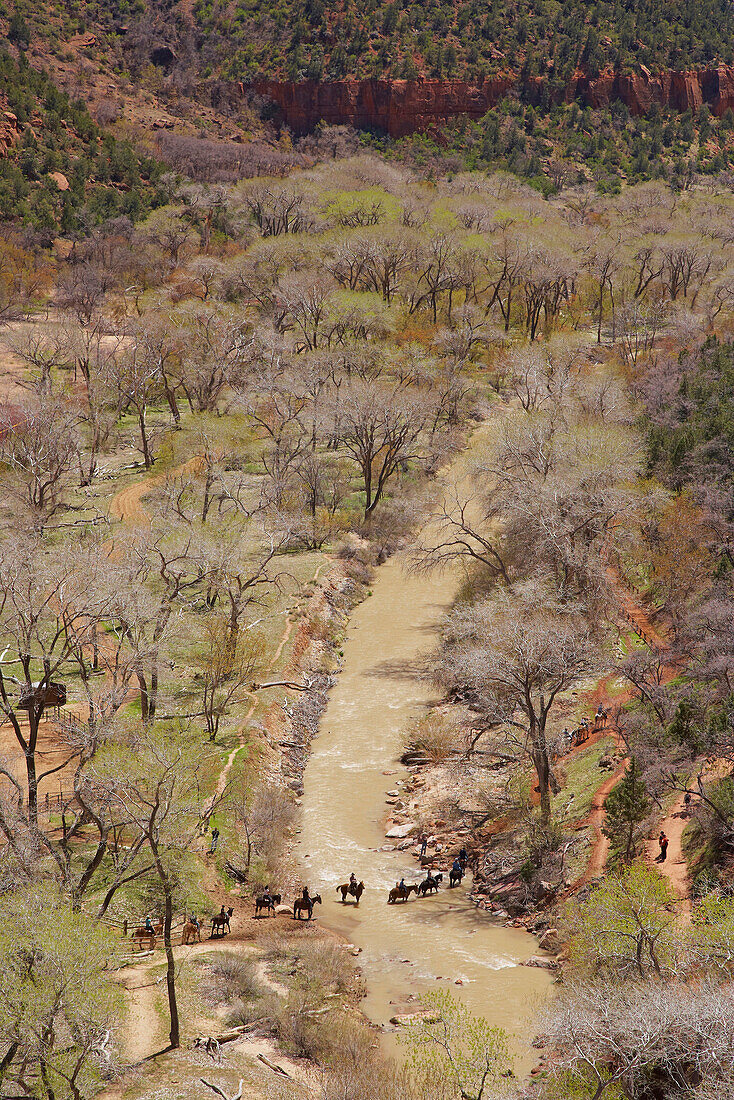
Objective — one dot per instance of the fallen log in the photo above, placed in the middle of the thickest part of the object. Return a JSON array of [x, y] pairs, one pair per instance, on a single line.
[[273, 1067]]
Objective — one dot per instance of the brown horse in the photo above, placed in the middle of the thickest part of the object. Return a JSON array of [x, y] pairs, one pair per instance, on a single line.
[[267, 903], [220, 922], [190, 932], [401, 893], [143, 935], [305, 904], [353, 891]]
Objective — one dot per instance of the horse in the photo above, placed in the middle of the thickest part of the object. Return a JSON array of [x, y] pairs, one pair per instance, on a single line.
[[267, 903], [455, 877], [220, 921], [354, 891], [141, 935], [430, 884], [145, 933], [189, 932], [305, 903], [401, 893]]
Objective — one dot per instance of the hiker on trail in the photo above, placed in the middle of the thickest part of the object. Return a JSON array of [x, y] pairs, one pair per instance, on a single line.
[[424, 845], [687, 803], [215, 840], [663, 842]]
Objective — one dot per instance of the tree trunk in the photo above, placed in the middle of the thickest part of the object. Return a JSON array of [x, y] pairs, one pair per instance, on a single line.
[[147, 459], [174, 1034]]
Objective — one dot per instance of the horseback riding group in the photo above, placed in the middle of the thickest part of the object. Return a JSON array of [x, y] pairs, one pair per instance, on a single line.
[[268, 903], [401, 891]]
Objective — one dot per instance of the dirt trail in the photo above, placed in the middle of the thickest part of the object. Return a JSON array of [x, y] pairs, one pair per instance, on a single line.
[[674, 868], [126, 505], [640, 620], [144, 1034]]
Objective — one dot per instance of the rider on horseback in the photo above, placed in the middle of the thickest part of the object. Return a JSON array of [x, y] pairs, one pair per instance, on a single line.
[[149, 924], [457, 867], [306, 896], [267, 896], [352, 881], [195, 921]]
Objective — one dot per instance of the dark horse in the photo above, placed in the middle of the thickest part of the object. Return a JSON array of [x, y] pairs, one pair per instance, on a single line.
[[220, 922], [430, 884], [455, 876], [268, 903], [401, 893], [353, 891], [307, 904]]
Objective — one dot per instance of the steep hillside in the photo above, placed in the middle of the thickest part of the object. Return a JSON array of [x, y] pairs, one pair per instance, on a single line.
[[311, 39], [58, 170]]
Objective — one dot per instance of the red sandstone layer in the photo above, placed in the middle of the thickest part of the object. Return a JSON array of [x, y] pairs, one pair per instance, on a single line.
[[399, 107]]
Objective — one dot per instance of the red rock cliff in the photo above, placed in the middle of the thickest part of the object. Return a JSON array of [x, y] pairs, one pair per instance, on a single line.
[[399, 107]]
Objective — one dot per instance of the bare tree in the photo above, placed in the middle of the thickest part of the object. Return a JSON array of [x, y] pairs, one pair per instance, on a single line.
[[510, 657], [381, 430], [225, 669], [40, 444]]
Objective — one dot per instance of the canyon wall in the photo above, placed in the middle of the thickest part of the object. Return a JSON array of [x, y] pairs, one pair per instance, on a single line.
[[400, 107]]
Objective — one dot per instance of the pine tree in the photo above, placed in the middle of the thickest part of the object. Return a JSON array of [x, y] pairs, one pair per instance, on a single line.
[[626, 807]]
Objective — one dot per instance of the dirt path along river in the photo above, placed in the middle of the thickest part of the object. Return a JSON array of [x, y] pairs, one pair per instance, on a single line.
[[421, 944]]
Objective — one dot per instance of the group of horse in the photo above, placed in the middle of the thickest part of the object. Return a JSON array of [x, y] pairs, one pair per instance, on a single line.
[[429, 885], [267, 903], [190, 933]]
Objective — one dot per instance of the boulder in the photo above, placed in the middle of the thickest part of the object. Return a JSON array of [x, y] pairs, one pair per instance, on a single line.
[[541, 963], [60, 180], [405, 1018], [282, 909], [550, 941], [399, 832]]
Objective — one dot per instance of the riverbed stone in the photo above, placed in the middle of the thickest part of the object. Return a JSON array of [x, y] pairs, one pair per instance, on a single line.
[[550, 941], [405, 1018], [399, 831], [541, 963]]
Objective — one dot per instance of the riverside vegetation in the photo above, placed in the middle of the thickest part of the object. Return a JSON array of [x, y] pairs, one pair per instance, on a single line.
[[217, 420]]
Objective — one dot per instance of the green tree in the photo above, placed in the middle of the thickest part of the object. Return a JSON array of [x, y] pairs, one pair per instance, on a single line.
[[448, 1042], [627, 806], [58, 1004], [155, 778], [628, 924]]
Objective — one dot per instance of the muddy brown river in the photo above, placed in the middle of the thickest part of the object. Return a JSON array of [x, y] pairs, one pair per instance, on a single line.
[[422, 944]]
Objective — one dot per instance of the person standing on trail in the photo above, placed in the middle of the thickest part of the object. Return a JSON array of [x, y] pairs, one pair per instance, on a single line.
[[663, 842], [424, 845], [215, 840]]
